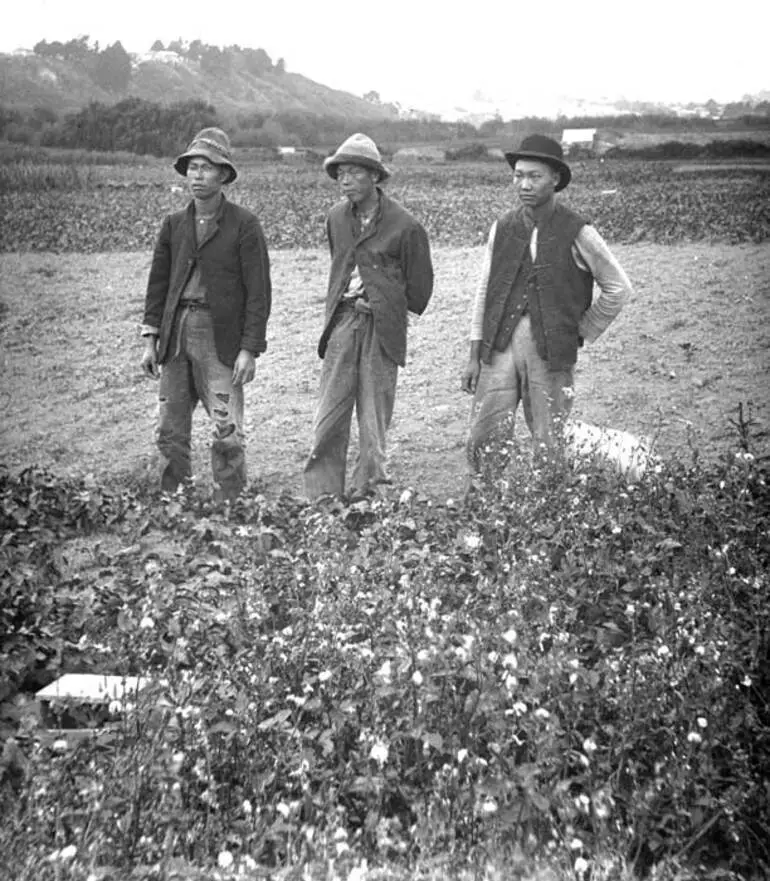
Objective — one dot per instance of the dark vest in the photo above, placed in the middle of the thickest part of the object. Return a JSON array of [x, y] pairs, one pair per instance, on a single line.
[[553, 290]]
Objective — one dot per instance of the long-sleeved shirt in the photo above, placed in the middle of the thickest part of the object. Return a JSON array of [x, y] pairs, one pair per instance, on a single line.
[[590, 253]]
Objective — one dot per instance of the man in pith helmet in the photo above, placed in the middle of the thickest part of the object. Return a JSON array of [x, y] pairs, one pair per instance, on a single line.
[[534, 308], [206, 311], [380, 271]]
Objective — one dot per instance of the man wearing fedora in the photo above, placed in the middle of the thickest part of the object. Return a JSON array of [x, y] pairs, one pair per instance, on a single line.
[[380, 271], [206, 310], [534, 308]]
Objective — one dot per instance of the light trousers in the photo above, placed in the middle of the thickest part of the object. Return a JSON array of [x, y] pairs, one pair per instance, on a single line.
[[356, 374], [516, 375], [195, 373]]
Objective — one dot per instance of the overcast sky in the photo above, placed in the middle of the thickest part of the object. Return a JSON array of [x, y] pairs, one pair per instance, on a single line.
[[422, 53]]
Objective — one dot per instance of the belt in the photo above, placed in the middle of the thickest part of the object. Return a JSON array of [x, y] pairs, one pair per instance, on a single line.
[[195, 305]]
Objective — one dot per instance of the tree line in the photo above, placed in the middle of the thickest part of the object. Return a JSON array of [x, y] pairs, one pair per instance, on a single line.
[[110, 68], [146, 128]]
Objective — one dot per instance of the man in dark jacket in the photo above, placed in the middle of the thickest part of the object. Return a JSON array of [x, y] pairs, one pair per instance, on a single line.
[[381, 269], [534, 307], [207, 305]]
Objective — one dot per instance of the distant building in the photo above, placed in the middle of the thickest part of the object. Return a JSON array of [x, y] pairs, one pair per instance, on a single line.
[[582, 138]]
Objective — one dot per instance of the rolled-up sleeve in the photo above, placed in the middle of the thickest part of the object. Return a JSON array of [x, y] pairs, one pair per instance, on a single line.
[[591, 252], [255, 271], [480, 295]]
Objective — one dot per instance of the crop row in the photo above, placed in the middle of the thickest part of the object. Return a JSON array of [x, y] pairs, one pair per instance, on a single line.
[[627, 201]]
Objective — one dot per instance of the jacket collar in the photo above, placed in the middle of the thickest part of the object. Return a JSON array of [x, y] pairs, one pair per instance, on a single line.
[[382, 201]]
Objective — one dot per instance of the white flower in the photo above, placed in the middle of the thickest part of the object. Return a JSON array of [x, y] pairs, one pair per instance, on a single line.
[[589, 745], [664, 651], [225, 859], [146, 623], [359, 873], [542, 713], [246, 807], [283, 809], [340, 835], [379, 752], [385, 673], [694, 737], [324, 675], [746, 681], [59, 746], [489, 806], [417, 677], [510, 636], [702, 723], [406, 497], [520, 707], [576, 844], [423, 655], [581, 866], [511, 661], [462, 755], [472, 541]]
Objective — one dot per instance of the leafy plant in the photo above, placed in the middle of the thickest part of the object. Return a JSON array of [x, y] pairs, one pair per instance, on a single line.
[[565, 668]]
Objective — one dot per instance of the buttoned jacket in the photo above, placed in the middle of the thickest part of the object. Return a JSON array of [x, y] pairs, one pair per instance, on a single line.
[[235, 272], [394, 262]]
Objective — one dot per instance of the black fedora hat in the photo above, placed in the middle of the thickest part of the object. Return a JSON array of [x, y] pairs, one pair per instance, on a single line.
[[543, 149]]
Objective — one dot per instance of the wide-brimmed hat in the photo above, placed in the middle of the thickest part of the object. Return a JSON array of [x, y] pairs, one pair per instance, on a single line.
[[357, 150], [214, 145], [543, 149]]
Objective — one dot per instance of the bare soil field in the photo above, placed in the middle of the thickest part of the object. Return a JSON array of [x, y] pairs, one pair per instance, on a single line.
[[689, 348]]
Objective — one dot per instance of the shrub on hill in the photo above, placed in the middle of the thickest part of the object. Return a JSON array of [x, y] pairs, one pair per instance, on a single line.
[[472, 152], [565, 666]]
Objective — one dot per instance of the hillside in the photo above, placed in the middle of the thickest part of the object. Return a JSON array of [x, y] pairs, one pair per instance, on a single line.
[[64, 84]]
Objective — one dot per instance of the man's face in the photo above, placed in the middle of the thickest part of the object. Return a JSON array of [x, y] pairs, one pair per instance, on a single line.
[[535, 182], [204, 178], [357, 183]]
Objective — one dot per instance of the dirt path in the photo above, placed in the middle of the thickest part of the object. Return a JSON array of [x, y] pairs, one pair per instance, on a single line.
[[683, 354]]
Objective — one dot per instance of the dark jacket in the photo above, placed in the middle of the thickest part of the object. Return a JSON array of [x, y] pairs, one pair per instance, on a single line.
[[235, 271], [556, 291], [393, 258]]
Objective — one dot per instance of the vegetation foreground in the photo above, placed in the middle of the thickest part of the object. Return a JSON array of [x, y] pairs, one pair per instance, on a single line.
[[567, 672]]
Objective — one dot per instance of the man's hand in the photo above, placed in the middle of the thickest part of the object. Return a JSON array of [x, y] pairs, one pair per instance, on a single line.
[[470, 377], [150, 357], [244, 368]]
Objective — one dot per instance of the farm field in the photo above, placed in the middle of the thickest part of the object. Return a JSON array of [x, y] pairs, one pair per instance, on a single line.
[[93, 209], [563, 678], [690, 347]]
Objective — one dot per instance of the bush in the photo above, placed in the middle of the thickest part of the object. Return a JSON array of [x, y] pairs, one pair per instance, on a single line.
[[566, 666], [472, 152]]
